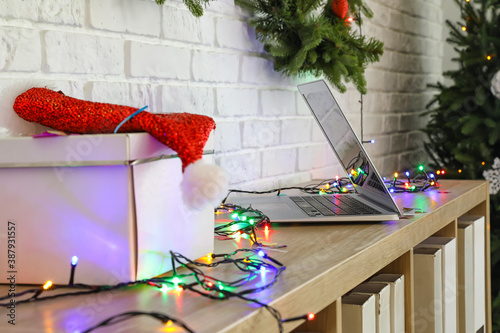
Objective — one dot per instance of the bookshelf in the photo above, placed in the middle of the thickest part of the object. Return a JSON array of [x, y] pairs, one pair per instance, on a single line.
[[442, 224], [324, 262]]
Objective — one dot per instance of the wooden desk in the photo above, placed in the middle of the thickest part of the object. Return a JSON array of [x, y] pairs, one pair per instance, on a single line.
[[324, 261]]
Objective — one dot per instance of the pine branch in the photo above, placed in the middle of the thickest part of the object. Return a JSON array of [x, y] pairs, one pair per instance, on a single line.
[[305, 37], [194, 6]]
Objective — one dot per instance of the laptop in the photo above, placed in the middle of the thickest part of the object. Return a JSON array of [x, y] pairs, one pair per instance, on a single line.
[[371, 200]]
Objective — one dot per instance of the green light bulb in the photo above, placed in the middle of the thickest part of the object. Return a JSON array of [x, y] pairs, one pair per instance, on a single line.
[[421, 167]]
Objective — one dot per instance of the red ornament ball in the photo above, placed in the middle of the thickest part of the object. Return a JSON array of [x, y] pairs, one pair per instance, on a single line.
[[340, 8]]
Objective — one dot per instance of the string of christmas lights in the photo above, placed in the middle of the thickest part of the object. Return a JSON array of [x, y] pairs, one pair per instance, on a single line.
[[328, 186], [253, 267], [244, 222], [418, 182], [250, 263], [167, 320]]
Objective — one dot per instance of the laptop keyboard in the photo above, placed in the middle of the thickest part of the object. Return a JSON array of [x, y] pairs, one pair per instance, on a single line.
[[376, 184], [331, 205]]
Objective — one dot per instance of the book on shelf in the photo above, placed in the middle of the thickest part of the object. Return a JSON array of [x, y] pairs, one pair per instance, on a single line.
[[479, 267], [382, 293], [358, 313], [428, 290], [397, 285], [465, 277], [448, 247]]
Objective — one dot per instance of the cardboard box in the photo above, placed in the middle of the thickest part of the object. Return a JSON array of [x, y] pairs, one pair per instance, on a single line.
[[113, 200]]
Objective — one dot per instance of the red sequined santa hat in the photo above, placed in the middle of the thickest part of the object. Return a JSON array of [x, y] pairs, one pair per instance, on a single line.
[[185, 133]]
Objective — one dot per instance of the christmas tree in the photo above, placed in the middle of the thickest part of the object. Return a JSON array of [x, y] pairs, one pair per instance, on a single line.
[[464, 132], [315, 37]]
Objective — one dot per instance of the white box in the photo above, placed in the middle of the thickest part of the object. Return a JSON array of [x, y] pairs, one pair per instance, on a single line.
[[113, 200]]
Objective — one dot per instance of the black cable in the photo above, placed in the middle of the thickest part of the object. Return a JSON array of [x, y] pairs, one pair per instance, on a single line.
[[419, 183], [249, 219], [211, 288], [91, 290], [128, 315], [310, 189]]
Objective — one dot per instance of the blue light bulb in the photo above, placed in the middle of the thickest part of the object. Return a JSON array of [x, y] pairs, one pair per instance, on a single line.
[[261, 253], [74, 260]]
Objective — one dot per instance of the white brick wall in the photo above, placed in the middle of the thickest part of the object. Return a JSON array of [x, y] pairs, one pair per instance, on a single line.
[[179, 24], [159, 61], [141, 17], [398, 93], [136, 53], [20, 50], [78, 53], [236, 101]]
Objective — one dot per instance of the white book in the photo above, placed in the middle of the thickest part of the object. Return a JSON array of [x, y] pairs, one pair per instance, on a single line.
[[428, 290], [448, 246], [397, 285], [465, 279], [479, 269], [358, 313], [382, 293]]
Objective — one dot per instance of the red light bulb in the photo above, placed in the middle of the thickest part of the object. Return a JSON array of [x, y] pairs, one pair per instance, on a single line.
[[310, 316]]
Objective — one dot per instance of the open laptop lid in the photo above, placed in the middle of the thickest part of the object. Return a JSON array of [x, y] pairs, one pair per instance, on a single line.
[[350, 152]]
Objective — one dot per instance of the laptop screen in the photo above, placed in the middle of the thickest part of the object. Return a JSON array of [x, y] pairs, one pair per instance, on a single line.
[[345, 144]]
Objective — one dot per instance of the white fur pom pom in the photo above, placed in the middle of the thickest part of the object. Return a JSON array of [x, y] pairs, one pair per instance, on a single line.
[[203, 184], [495, 85], [10, 123]]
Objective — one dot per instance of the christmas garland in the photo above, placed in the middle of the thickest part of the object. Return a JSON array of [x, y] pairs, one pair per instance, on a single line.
[[312, 37], [194, 6]]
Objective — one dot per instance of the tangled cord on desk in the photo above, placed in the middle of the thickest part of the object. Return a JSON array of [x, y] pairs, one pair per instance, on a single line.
[[418, 183], [327, 186], [253, 263], [245, 222]]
